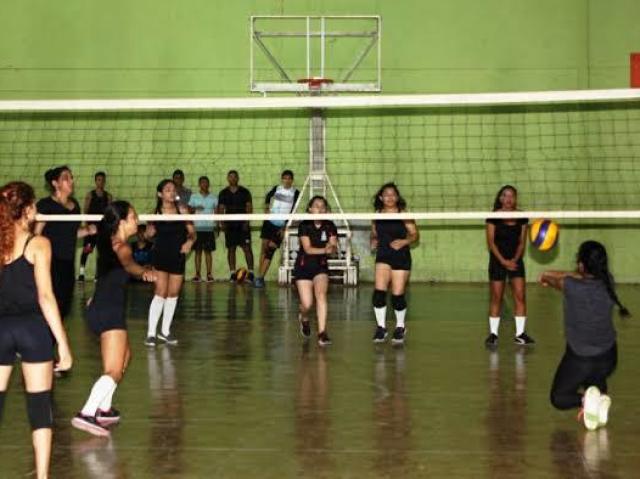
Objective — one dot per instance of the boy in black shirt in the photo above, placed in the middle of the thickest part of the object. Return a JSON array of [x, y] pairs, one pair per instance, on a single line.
[[236, 199]]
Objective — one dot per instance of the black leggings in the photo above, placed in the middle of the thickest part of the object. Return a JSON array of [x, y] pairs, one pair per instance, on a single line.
[[577, 372], [63, 277]]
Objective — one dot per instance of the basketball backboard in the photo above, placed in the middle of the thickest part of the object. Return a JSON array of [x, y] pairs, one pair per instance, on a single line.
[[286, 51]]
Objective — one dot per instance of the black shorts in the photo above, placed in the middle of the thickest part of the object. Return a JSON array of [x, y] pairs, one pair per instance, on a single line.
[[205, 241], [28, 336], [272, 233], [169, 262], [497, 272], [101, 318], [89, 243], [309, 270], [397, 259], [236, 235]]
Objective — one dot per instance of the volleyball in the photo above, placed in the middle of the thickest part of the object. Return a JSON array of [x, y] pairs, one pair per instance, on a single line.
[[543, 234], [241, 275]]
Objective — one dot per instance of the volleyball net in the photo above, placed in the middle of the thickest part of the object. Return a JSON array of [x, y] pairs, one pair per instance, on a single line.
[[570, 154]]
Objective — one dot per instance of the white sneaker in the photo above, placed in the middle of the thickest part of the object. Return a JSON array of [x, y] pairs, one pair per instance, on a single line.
[[591, 407], [603, 410]]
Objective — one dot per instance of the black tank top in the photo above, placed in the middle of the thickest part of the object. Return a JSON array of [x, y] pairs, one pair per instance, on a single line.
[[18, 290], [170, 236], [389, 230], [112, 278], [97, 204]]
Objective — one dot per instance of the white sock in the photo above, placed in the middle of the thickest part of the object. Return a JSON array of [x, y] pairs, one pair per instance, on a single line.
[[105, 405], [520, 322], [494, 324], [82, 270], [155, 310], [103, 386], [400, 314], [167, 315], [381, 316]]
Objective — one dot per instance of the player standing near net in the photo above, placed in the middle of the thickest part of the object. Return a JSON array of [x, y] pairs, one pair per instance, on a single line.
[[94, 204], [280, 199], [106, 314], [236, 199], [318, 240], [62, 234], [391, 239], [29, 315], [204, 203], [591, 353], [506, 239], [183, 194], [173, 241]]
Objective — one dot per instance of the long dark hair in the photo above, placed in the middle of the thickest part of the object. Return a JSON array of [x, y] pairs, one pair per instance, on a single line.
[[497, 204], [593, 257], [53, 174], [15, 198], [159, 189], [377, 202], [114, 213]]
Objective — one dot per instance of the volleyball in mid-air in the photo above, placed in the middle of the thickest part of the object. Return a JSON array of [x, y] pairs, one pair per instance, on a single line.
[[543, 234]]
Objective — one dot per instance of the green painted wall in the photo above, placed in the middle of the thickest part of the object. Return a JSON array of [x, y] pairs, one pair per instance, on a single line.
[[447, 159]]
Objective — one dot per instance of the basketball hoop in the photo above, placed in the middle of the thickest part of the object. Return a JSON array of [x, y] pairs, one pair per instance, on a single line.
[[316, 84]]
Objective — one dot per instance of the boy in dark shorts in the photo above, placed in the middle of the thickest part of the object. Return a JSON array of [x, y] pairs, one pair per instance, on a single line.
[[236, 199]]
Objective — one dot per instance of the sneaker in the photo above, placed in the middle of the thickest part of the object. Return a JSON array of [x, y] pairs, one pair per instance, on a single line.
[[105, 418], [603, 410], [323, 339], [524, 340], [89, 424], [169, 339], [151, 341], [305, 329], [591, 407], [81, 278], [232, 278], [251, 277], [259, 282], [196, 278], [209, 278], [398, 336], [380, 335], [491, 341]]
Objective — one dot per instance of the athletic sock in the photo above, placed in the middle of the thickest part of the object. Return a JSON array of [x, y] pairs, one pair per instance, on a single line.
[[400, 314], [381, 316], [167, 315], [520, 323], [105, 404], [155, 310], [102, 387], [494, 324]]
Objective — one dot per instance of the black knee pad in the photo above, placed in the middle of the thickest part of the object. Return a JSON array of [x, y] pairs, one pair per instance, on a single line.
[[39, 410], [268, 254], [398, 302], [2, 396], [379, 299]]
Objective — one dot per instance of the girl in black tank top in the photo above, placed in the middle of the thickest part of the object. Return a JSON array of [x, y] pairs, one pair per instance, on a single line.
[[105, 314], [28, 315], [506, 240], [173, 241], [95, 203], [391, 239]]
